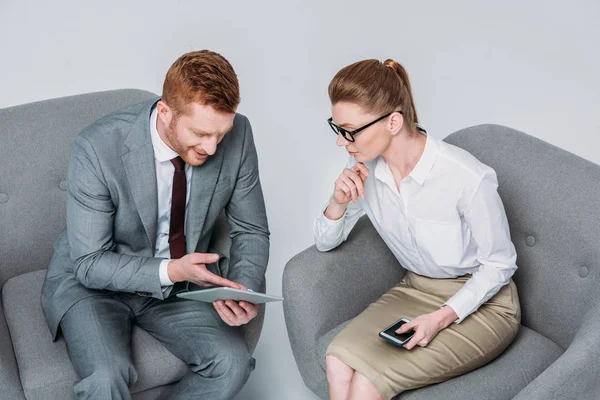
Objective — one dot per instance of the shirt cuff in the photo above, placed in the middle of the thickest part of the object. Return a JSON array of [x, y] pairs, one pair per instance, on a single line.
[[327, 223], [328, 233], [164, 274], [463, 303]]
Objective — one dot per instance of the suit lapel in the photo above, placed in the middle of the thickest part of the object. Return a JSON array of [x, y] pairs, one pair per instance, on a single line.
[[141, 172], [204, 181]]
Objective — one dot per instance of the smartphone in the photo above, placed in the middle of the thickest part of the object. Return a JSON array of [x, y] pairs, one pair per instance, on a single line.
[[391, 336]]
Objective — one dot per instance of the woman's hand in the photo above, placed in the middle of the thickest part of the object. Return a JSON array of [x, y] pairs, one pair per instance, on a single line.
[[350, 184], [427, 326], [348, 187]]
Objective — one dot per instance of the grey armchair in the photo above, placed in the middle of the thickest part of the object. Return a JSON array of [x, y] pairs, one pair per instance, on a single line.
[[552, 199], [35, 142]]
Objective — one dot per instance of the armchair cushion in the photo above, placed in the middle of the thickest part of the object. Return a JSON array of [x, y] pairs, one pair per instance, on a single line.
[[44, 366]]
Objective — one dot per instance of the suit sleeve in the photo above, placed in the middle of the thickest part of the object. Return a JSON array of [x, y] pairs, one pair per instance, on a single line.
[[90, 215], [247, 219]]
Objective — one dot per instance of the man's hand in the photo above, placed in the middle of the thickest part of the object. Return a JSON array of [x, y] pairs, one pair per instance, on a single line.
[[192, 268], [427, 326], [235, 313]]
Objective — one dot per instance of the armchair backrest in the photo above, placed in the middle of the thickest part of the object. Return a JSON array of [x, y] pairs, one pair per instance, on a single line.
[[35, 143], [552, 200]]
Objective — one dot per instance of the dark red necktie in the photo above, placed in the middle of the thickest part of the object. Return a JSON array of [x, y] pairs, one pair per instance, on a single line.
[[176, 231]]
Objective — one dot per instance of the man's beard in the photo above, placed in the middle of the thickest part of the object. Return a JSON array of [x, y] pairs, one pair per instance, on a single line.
[[178, 147], [175, 144]]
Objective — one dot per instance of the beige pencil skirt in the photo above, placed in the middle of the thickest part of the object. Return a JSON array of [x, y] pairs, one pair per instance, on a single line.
[[458, 349]]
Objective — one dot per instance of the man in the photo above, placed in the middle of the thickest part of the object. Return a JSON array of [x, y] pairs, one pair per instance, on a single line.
[[145, 187]]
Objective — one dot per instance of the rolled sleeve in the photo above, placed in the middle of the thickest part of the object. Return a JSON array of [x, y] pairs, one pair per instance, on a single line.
[[328, 234]]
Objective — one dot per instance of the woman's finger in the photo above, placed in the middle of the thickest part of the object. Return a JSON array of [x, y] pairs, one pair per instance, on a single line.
[[356, 180], [341, 185], [352, 186], [414, 341], [406, 327], [364, 171]]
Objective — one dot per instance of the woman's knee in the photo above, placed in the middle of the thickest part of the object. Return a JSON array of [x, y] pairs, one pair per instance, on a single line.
[[362, 388], [337, 370]]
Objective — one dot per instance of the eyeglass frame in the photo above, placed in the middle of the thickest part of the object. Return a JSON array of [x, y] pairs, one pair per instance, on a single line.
[[349, 135]]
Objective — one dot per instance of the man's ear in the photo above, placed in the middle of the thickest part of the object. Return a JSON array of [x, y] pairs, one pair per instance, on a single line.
[[165, 113]]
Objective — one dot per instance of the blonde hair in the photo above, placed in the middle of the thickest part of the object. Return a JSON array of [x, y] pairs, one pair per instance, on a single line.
[[376, 87]]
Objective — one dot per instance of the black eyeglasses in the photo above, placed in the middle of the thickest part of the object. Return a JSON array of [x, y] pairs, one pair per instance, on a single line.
[[349, 135]]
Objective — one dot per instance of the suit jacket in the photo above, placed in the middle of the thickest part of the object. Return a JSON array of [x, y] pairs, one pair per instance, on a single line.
[[112, 212]]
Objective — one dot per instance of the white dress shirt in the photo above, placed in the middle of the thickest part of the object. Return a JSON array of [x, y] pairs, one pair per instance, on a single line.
[[447, 220], [164, 184]]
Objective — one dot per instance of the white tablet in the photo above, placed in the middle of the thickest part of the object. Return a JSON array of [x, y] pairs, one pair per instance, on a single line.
[[227, 293]]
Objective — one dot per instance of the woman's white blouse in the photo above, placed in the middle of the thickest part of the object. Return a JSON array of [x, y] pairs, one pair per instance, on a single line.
[[447, 220]]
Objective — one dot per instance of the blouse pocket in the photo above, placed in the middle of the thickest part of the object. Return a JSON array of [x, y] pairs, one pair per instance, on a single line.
[[442, 241]]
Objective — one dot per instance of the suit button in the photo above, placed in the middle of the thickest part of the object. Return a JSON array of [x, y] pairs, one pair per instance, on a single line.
[[3, 197], [583, 271], [63, 186]]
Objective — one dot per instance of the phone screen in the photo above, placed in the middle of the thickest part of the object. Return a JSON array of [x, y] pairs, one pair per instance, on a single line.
[[391, 331]]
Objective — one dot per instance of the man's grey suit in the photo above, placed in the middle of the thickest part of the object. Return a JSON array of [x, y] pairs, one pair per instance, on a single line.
[[106, 254]]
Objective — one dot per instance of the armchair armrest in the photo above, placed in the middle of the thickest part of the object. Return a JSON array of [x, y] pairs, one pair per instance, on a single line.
[[324, 289], [221, 243], [10, 381], [576, 373]]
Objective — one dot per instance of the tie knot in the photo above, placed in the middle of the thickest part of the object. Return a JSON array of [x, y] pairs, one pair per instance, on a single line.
[[178, 163]]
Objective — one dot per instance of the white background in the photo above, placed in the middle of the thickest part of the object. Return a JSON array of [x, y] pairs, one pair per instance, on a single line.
[[533, 66]]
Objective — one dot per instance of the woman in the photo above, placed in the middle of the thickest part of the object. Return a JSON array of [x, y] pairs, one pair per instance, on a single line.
[[437, 208]]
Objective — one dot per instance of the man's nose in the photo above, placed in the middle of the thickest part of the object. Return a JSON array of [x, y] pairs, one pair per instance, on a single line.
[[210, 146]]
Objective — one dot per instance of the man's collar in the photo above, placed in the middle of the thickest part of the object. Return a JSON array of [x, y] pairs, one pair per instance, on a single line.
[[162, 152]]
